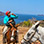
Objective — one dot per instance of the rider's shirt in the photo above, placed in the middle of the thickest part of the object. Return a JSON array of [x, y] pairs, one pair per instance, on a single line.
[[6, 18]]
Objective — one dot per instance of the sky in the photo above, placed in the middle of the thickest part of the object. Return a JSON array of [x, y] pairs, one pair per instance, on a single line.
[[22, 6]]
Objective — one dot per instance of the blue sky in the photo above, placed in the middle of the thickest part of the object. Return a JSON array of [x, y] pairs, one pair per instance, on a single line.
[[22, 6]]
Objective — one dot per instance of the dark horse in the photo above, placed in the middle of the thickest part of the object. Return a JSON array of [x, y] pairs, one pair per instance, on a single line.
[[9, 33]]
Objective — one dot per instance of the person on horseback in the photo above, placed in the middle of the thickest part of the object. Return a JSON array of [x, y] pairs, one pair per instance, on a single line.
[[9, 18]]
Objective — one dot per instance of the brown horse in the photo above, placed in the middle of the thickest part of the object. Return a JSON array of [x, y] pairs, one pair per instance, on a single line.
[[9, 33]]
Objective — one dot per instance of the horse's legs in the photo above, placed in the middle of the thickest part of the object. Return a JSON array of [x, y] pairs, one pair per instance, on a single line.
[[4, 43], [8, 43], [13, 42]]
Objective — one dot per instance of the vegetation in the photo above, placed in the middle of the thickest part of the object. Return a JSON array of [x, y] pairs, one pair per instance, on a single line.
[[42, 20], [26, 23]]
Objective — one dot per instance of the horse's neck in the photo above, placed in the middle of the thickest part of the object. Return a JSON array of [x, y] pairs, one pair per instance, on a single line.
[[40, 30]]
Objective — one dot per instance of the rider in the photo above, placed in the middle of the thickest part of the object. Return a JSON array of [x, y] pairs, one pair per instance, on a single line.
[[9, 18]]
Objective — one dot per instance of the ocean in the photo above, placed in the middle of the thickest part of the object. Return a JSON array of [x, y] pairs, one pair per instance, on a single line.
[[23, 17]]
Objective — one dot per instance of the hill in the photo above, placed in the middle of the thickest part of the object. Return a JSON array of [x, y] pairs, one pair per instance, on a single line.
[[2, 14]]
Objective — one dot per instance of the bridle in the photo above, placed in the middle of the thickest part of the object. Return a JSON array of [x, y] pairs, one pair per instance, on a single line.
[[30, 38], [27, 40], [31, 41]]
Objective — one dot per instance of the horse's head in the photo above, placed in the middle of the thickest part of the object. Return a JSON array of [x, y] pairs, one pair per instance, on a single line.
[[31, 32], [13, 33]]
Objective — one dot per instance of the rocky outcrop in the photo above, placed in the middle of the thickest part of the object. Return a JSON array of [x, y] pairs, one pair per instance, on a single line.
[[2, 13]]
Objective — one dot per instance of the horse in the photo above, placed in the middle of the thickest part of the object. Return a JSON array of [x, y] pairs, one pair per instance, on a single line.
[[11, 33], [35, 33]]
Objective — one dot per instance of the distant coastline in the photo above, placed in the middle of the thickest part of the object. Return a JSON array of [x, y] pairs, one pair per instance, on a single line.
[[41, 15]]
